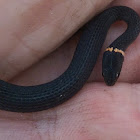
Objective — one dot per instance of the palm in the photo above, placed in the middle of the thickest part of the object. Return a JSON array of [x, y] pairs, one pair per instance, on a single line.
[[96, 112]]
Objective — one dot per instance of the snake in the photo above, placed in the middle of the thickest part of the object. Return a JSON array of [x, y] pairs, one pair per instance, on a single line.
[[16, 98]]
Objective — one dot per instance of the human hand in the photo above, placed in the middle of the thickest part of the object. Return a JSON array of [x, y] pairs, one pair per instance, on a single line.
[[97, 111]]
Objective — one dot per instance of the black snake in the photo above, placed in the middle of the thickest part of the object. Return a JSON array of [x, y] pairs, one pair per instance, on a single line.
[[36, 98]]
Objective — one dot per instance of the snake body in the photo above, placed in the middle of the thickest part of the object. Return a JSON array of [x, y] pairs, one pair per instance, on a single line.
[[41, 97]]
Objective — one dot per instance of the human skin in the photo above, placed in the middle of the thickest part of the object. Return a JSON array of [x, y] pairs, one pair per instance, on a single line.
[[31, 30]]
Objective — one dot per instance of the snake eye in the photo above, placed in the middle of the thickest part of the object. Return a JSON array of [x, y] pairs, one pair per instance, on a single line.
[[117, 74]]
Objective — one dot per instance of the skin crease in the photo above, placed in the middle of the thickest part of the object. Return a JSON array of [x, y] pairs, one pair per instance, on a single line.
[[97, 112]]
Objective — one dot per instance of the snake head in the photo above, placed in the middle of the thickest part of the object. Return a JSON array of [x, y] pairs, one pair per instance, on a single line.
[[111, 66]]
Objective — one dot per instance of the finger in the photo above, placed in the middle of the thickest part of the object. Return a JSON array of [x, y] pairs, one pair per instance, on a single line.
[[56, 63], [35, 28]]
